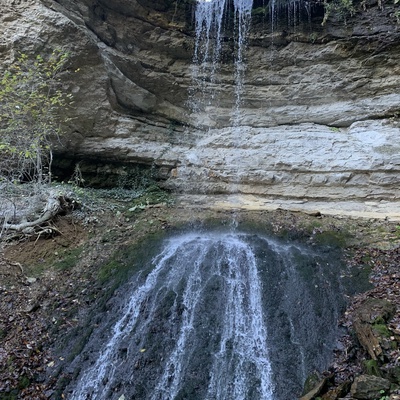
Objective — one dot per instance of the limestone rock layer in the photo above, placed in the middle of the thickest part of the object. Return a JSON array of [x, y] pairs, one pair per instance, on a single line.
[[319, 104]]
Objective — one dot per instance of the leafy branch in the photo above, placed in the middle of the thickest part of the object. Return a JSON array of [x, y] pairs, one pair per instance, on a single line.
[[31, 98]]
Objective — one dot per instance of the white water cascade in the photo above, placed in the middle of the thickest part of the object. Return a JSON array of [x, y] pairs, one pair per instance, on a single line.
[[211, 17], [215, 316], [188, 269]]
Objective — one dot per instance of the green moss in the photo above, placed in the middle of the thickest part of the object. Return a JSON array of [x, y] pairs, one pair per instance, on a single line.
[[23, 382], [371, 368], [109, 269], [69, 260], [11, 395], [63, 261], [381, 329], [129, 259], [36, 269], [331, 238]]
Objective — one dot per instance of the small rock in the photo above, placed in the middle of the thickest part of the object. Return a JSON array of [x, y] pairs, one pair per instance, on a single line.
[[338, 392], [316, 389], [31, 308], [31, 280], [369, 387]]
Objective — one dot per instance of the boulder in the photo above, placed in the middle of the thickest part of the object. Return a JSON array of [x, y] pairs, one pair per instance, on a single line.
[[369, 387]]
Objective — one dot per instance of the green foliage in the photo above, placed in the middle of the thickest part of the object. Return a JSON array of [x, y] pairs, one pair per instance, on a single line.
[[372, 368], [383, 397], [31, 97], [340, 8], [381, 329], [153, 195], [396, 14]]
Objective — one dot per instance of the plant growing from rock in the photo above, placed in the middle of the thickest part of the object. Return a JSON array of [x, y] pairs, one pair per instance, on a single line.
[[340, 8]]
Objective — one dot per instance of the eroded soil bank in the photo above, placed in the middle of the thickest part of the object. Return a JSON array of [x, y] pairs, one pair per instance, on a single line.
[[49, 287]]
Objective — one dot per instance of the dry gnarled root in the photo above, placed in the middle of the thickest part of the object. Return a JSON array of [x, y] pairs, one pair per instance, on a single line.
[[40, 226]]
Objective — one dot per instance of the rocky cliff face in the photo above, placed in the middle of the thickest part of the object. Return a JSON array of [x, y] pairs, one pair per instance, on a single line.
[[319, 104]]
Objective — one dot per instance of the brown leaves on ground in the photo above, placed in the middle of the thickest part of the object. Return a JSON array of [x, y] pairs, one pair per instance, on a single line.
[[22, 355], [36, 307], [385, 276]]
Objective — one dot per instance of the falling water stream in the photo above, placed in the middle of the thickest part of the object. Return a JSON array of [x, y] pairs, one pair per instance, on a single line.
[[217, 316], [208, 47]]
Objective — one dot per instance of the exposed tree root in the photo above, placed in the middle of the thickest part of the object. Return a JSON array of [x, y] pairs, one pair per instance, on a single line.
[[42, 225]]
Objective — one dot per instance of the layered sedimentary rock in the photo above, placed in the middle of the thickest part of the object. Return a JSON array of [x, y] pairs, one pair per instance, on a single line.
[[319, 105]]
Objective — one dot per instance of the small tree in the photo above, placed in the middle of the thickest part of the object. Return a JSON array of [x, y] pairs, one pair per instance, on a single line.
[[30, 103], [31, 112]]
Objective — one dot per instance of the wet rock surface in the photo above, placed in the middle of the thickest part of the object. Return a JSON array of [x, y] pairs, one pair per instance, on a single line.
[[36, 316], [369, 387], [366, 366]]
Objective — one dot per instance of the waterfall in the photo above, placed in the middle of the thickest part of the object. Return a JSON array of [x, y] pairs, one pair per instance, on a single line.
[[215, 304], [227, 316], [216, 315], [209, 19]]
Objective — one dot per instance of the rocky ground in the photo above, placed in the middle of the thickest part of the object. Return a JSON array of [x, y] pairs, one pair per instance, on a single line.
[[46, 284]]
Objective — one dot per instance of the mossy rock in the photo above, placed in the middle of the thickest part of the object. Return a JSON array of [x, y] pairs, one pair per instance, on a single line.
[[371, 367], [311, 381], [375, 311], [381, 330], [334, 239], [369, 387]]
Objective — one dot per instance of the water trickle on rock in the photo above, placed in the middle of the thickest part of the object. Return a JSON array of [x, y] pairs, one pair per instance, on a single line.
[[211, 17], [219, 316]]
